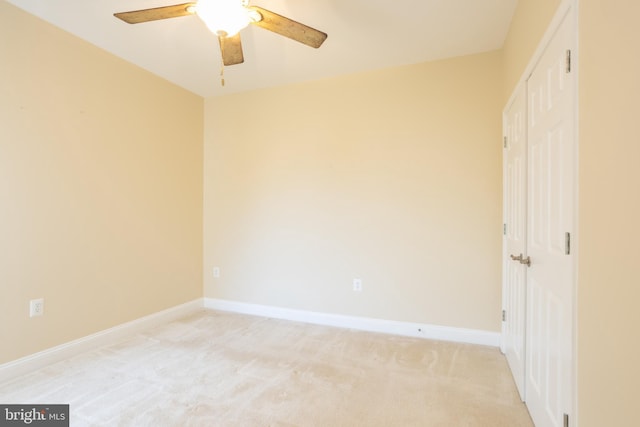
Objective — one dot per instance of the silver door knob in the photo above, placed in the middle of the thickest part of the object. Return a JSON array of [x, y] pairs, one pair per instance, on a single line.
[[516, 258], [526, 261]]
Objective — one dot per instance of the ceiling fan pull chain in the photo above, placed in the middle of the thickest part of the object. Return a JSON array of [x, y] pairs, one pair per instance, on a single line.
[[222, 74]]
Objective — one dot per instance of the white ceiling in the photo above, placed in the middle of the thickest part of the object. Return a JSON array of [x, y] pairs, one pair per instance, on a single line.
[[363, 35]]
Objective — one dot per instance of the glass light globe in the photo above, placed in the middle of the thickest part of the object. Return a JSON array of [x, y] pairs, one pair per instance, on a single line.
[[224, 17]]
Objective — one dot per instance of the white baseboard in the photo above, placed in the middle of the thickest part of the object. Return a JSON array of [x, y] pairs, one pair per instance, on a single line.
[[55, 354], [434, 332]]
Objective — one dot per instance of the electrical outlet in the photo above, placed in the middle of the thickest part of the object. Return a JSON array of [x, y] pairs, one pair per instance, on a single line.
[[216, 272], [36, 307], [357, 285]]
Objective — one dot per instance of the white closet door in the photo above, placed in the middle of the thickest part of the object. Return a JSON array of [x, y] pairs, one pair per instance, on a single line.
[[551, 189], [514, 241]]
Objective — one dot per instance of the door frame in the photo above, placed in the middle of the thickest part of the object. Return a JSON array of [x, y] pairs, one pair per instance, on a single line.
[[569, 9]]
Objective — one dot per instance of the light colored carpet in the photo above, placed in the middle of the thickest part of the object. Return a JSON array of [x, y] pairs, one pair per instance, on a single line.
[[222, 369]]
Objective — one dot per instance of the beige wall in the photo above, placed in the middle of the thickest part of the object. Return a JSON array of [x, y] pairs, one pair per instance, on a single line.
[[609, 201], [100, 188], [391, 176], [609, 288]]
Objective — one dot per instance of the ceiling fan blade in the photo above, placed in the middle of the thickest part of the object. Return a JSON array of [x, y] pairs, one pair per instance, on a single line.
[[231, 48], [289, 28], [165, 12]]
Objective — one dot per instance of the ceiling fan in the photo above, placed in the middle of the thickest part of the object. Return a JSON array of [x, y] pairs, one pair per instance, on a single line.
[[226, 18]]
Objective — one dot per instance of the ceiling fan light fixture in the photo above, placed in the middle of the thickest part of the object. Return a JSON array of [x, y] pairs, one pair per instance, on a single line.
[[223, 17]]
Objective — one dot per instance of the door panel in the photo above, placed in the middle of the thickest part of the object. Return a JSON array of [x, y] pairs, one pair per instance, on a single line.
[[550, 137], [514, 242]]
